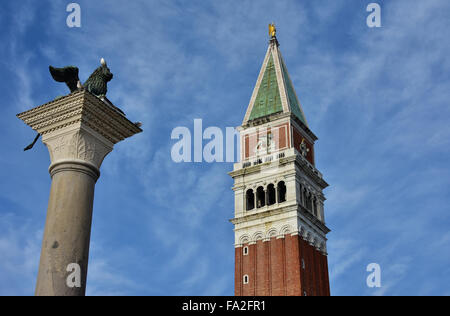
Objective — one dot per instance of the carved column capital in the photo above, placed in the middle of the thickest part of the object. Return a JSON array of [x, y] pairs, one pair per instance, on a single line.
[[79, 128], [77, 144]]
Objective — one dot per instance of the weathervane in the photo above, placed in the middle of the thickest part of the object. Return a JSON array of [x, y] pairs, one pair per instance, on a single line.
[[272, 30]]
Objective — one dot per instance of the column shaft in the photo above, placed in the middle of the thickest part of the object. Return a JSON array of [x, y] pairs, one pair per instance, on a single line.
[[67, 229]]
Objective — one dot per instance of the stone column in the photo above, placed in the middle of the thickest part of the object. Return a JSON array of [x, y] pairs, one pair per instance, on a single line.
[[301, 194], [79, 130], [291, 188], [266, 195], [320, 209], [275, 187]]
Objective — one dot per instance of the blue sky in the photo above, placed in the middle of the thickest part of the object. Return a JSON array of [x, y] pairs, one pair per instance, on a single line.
[[378, 99]]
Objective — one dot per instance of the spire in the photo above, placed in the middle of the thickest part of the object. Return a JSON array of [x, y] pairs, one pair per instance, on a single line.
[[274, 92]]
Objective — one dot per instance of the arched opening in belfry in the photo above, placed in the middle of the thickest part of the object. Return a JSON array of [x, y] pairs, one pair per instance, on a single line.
[[281, 192], [260, 197], [271, 194], [250, 200]]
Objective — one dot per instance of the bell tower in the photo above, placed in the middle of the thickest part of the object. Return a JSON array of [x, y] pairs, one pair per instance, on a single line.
[[279, 223]]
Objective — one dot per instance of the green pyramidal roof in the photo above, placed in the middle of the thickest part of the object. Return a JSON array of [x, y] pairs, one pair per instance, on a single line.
[[274, 92], [268, 99], [293, 101]]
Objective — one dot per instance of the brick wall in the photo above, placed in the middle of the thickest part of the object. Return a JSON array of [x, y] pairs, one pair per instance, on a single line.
[[275, 268], [297, 137]]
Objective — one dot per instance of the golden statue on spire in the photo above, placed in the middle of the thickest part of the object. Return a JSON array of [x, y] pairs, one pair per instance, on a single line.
[[272, 30]]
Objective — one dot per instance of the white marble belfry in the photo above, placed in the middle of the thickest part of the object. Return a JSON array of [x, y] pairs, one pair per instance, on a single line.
[[79, 130]]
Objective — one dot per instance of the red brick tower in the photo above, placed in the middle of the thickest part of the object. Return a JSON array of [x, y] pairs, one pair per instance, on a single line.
[[280, 231]]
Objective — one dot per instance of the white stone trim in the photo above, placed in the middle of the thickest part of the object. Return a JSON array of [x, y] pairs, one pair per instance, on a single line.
[[272, 232], [244, 239], [250, 234], [258, 236], [285, 230]]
